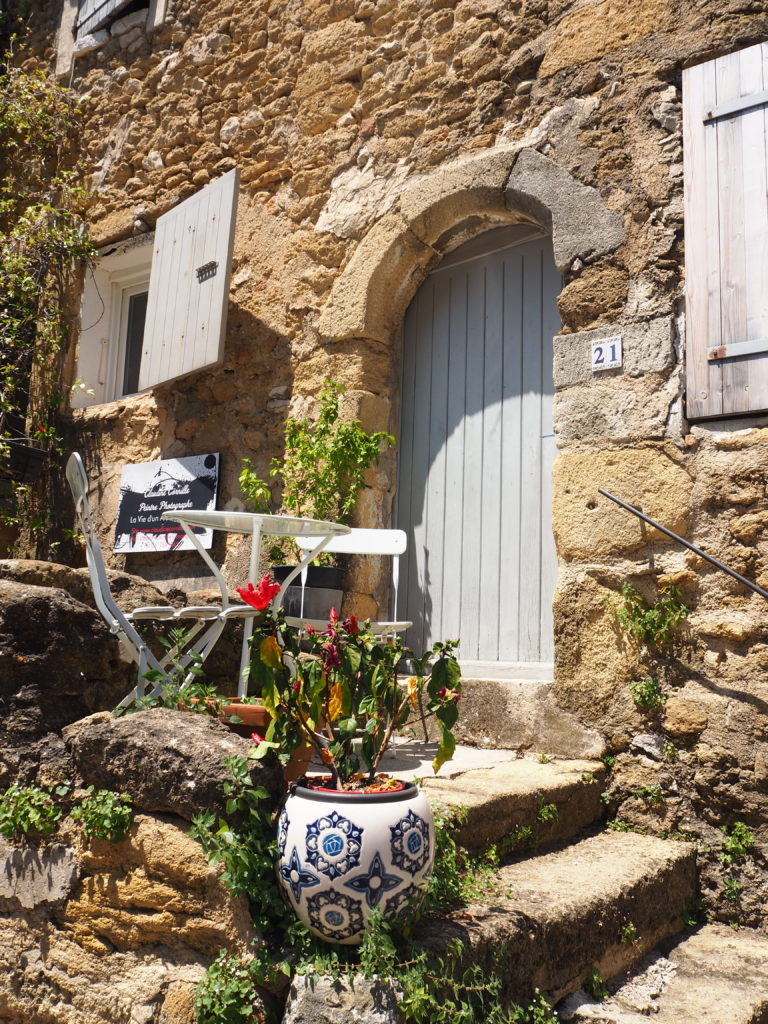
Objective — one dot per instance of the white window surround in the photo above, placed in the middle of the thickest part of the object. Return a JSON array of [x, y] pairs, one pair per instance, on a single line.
[[120, 271], [71, 44]]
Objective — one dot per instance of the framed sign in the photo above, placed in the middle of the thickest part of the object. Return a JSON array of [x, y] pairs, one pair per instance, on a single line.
[[150, 489]]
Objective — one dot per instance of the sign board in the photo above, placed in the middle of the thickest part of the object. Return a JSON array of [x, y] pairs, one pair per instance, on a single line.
[[150, 489], [606, 353]]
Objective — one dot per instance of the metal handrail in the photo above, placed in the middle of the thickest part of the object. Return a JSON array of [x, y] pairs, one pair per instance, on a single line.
[[692, 547]]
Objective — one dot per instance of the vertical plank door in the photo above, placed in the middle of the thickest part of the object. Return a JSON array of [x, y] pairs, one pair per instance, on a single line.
[[476, 450]]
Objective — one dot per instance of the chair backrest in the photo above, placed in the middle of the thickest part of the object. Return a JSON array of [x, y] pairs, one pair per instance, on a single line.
[[78, 483], [361, 541]]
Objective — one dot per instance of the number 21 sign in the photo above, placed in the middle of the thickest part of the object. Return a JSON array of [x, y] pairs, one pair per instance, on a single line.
[[606, 353]]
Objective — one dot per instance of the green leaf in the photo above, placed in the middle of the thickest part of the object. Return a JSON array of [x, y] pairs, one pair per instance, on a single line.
[[445, 749]]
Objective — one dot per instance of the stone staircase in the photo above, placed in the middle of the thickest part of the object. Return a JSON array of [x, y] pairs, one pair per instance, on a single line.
[[577, 897]]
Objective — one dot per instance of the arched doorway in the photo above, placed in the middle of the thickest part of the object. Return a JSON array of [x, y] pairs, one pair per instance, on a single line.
[[476, 449]]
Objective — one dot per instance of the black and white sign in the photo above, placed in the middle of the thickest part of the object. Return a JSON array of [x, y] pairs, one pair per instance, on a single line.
[[606, 353], [150, 489]]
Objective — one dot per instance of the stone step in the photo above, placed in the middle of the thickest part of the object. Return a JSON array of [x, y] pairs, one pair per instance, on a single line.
[[522, 802], [521, 714], [718, 975], [550, 919]]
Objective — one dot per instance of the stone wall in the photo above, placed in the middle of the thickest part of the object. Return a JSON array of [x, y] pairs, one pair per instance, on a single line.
[[93, 930], [372, 137]]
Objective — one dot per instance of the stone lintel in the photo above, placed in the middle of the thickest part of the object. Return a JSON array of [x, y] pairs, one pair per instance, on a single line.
[[581, 224]]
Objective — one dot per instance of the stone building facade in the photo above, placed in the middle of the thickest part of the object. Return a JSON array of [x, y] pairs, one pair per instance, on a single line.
[[375, 137]]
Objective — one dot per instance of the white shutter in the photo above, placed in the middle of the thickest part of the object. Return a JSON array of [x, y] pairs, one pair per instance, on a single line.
[[93, 14], [189, 285], [726, 234]]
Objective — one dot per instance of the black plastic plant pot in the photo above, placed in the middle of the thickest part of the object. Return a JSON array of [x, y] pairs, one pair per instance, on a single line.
[[327, 577], [24, 463]]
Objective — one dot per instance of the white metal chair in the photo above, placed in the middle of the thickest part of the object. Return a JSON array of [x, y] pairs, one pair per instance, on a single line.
[[122, 623], [360, 542]]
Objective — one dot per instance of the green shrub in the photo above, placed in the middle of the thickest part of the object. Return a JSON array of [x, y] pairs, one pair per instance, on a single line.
[[29, 811], [737, 843], [652, 624], [226, 993], [648, 695], [104, 814]]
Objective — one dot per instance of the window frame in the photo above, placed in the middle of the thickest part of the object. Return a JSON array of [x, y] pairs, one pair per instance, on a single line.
[[119, 271]]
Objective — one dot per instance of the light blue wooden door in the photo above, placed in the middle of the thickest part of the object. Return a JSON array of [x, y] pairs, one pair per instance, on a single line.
[[476, 450]]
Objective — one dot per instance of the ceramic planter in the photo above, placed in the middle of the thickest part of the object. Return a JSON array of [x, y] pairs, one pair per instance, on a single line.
[[342, 854]]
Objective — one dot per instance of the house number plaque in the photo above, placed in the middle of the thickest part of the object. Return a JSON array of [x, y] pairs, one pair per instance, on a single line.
[[606, 353]]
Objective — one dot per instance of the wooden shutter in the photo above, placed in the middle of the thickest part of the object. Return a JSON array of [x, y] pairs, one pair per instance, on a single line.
[[189, 284], [94, 14], [726, 234]]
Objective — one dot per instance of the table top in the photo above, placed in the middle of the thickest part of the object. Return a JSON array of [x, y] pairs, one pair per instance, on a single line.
[[249, 522]]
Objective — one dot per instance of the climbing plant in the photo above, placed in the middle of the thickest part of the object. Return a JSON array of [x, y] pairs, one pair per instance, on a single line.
[[42, 243]]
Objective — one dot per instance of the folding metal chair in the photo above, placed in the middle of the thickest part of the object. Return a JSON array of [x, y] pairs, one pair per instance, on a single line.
[[122, 623], [361, 542]]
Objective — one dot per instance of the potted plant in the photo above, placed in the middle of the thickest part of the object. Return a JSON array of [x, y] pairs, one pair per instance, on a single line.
[[322, 475], [353, 840]]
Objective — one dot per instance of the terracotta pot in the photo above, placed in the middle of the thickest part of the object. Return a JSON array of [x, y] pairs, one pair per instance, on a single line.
[[256, 718], [342, 854]]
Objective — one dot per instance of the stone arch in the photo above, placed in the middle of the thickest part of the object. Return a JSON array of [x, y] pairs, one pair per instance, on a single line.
[[445, 208]]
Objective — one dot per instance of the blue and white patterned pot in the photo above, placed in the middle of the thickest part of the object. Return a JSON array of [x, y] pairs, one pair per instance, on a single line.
[[342, 854]]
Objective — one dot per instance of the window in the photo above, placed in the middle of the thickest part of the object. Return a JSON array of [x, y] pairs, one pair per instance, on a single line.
[[86, 25], [154, 308], [96, 14], [725, 125]]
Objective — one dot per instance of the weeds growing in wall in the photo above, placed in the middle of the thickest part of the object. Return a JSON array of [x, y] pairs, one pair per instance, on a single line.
[[42, 244]]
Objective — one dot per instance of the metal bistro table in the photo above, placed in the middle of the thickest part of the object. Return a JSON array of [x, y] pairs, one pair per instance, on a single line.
[[258, 525]]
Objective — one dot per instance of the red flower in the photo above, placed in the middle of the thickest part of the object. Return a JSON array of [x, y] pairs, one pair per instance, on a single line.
[[331, 656], [257, 737], [352, 625], [445, 694], [259, 597], [333, 617]]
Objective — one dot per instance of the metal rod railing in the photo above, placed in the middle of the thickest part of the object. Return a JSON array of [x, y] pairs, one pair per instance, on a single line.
[[691, 547]]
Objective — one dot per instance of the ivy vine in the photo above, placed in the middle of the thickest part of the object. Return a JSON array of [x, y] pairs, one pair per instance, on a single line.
[[43, 240]]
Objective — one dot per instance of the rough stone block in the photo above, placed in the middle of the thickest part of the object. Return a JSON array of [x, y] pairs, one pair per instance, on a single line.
[[32, 876], [136, 19], [154, 888], [167, 761], [369, 299], [589, 527], [521, 715], [321, 999], [554, 917], [717, 974], [646, 348], [589, 32], [499, 799], [618, 408], [472, 186], [86, 44]]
